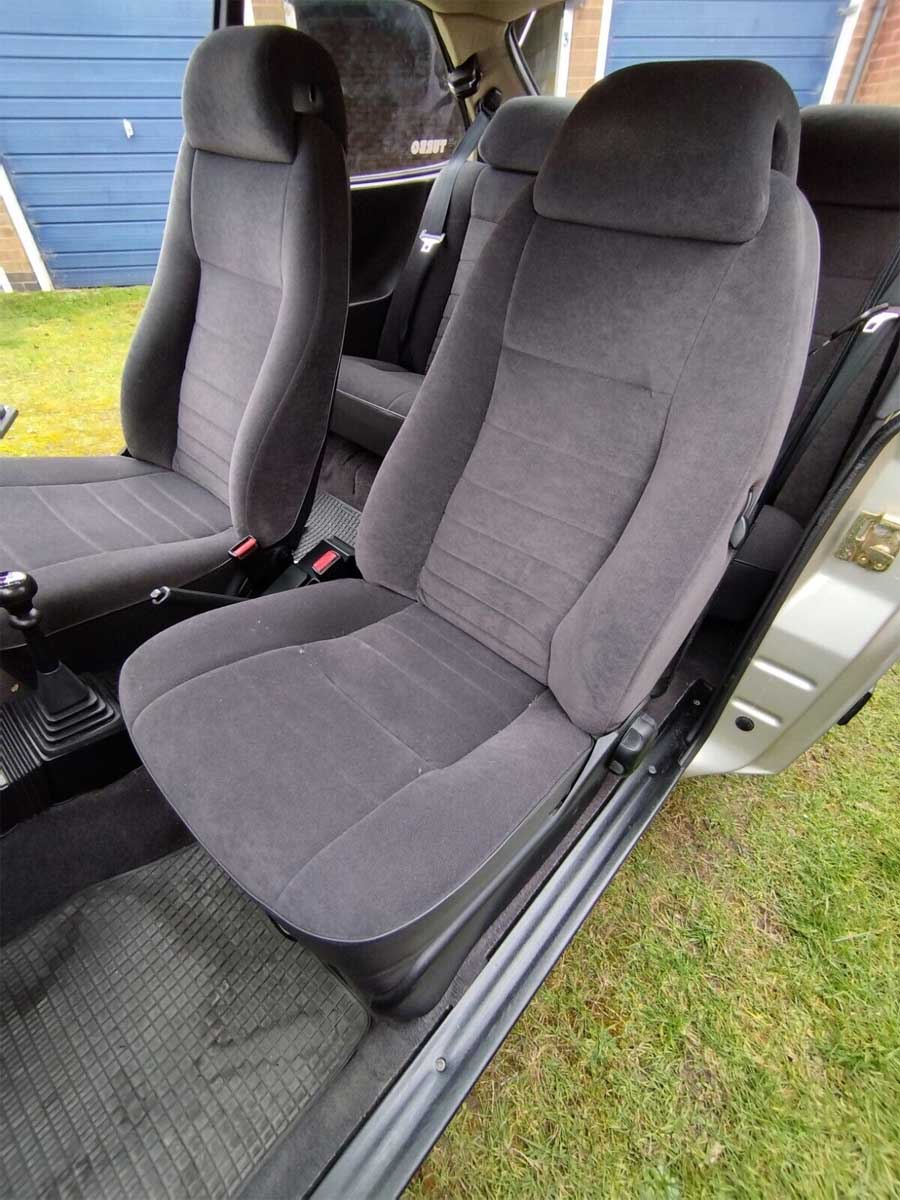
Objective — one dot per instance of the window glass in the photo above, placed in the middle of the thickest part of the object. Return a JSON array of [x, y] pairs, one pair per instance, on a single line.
[[400, 113], [828, 53], [537, 36]]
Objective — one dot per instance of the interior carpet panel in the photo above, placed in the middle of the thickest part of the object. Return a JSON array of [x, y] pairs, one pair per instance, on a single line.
[[159, 1034], [329, 517]]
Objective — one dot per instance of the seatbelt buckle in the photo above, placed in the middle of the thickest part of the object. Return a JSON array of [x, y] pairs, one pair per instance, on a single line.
[[244, 548], [259, 565], [332, 558], [428, 241]]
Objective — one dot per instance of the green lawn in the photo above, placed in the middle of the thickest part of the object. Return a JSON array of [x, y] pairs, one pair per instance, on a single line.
[[728, 1022], [61, 356]]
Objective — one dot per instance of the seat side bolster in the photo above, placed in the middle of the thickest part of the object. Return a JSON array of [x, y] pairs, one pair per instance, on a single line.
[[70, 595], [151, 379], [285, 422], [43, 472], [728, 416]]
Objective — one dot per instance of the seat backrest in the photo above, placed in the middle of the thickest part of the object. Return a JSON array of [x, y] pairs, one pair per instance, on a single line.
[[615, 380], [850, 173], [511, 152], [230, 375]]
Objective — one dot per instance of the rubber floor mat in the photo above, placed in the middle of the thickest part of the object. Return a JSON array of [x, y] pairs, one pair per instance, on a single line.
[[158, 1035], [329, 515]]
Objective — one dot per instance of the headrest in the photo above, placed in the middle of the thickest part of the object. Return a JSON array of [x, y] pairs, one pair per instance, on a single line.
[[243, 89], [522, 131], [677, 149], [850, 155]]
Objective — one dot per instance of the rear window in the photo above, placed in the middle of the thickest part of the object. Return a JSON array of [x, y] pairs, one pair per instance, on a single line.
[[828, 53], [539, 38], [400, 113]]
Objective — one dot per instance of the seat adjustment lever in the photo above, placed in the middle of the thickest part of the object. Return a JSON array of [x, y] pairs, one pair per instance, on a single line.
[[634, 745]]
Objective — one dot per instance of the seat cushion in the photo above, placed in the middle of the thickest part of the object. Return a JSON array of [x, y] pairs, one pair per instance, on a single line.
[[99, 533], [371, 401], [346, 754]]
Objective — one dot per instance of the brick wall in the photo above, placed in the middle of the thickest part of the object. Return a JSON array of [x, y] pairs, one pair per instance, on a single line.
[[880, 82], [13, 259], [269, 12], [583, 54]]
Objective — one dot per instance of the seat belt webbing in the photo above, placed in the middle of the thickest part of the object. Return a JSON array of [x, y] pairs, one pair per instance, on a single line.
[[432, 232], [881, 312]]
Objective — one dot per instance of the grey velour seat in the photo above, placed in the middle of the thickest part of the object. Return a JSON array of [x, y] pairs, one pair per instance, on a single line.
[[374, 395], [229, 379], [365, 757]]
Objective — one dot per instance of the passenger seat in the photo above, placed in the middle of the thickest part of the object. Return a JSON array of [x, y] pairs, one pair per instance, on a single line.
[[374, 395], [380, 762]]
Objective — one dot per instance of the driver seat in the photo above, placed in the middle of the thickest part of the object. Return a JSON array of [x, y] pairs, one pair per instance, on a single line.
[[228, 384]]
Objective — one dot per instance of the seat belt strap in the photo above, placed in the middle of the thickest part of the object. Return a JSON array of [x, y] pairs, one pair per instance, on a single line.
[[868, 333], [431, 235]]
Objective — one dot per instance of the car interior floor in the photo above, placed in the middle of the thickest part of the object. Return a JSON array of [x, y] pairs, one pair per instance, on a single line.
[[133, 952]]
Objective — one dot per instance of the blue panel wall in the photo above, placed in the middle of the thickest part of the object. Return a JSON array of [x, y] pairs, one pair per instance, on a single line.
[[71, 71], [797, 37]]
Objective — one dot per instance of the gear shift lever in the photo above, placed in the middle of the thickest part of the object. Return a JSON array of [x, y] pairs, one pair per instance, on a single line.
[[49, 736], [58, 687]]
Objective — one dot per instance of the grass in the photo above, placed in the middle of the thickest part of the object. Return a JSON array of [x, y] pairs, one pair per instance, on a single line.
[[61, 356], [727, 1023]]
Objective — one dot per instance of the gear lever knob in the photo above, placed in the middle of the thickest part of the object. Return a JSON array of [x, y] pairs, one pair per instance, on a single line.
[[17, 593]]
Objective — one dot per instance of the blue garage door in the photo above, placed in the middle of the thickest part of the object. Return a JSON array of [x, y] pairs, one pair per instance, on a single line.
[[796, 37], [77, 77]]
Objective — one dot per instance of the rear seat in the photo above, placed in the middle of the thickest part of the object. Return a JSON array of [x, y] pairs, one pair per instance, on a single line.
[[374, 395], [850, 173]]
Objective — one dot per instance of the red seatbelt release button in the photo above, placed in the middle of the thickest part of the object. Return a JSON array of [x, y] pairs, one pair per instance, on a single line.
[[244, 548], [325, 561]]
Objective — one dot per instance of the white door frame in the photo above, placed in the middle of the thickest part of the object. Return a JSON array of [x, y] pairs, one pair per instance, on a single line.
[[23, 229], [565, 49], [841, 50], [603, 44]]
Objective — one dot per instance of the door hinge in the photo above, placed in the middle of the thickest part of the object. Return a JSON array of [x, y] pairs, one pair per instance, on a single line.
[[872, 541]]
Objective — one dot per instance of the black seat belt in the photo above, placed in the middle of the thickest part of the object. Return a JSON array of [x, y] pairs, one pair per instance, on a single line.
[[432, 230], [868, 331]]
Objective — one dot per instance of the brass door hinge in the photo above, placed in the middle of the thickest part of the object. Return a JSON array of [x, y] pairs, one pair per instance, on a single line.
[[872, 541]]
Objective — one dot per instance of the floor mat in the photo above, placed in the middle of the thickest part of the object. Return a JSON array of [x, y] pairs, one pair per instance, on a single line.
[[158, 1035], [329, 515]]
